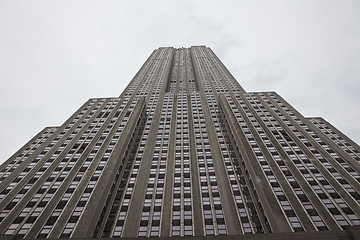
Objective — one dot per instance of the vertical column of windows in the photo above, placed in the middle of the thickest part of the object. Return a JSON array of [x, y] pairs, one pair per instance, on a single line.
[[241, 183], [156, 75], [123, 206], [264, 163], [152, 208], [182, 215], [224, 74], [161, 79], [249, 225], [129, 188], [148, 79], [120, 180], [211, 73], [248, 216], [274, 127], [212, 208], [213, 107], [174, 71], [140, 76], [190, 72], [206, 85], [182, 71]]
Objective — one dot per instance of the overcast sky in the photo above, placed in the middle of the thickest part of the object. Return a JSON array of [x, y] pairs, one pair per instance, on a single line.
[[55, 55]]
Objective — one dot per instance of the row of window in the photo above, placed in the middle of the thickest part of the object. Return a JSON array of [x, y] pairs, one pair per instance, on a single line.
[[98, 157], [8, 169], [25, 214], [336, 138], [70, 162]]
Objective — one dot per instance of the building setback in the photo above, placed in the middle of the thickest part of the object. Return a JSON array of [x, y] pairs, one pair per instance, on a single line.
[[184, 151]]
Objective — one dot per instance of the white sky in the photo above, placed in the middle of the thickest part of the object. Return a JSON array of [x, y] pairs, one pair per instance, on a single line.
[[55, 55]]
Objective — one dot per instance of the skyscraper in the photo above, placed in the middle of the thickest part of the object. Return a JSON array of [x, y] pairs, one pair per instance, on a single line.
[[183, 151]]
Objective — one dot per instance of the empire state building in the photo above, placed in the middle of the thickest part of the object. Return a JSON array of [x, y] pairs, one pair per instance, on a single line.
[[184, 152]]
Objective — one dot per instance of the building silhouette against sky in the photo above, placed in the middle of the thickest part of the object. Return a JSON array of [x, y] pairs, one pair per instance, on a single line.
[[184, 151]]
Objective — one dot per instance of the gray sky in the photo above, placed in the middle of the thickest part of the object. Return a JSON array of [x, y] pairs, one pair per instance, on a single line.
[[55, 55]]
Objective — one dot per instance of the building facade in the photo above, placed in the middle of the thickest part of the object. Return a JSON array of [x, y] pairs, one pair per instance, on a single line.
[[183, 151]]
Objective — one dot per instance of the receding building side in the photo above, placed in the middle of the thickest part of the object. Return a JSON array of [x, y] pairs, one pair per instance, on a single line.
[[183, 151]]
